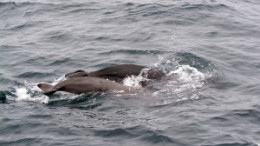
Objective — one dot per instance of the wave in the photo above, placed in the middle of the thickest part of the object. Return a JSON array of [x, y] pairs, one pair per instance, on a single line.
[[133, 52], [137, 132], [34, 75], [2, 97]]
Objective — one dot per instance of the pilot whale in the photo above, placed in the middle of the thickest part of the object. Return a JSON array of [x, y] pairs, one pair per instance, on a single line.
[[119, 72], [78, 85]]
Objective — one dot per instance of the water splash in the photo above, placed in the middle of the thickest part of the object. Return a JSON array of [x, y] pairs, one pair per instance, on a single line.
[[187, 77], [184, 80], [31, 92], [135, 81], [23, 94], [188, 74]]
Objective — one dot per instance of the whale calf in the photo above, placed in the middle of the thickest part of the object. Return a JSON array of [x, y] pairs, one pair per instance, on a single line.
[[78, 85], [119, 72]]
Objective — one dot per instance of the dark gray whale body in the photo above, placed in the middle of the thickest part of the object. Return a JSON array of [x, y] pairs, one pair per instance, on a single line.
[[119, 72], [102, 80], [78, 85]]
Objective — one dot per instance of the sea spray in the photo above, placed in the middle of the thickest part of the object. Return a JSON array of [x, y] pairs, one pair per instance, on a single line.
[[23, 95], [184, 84]]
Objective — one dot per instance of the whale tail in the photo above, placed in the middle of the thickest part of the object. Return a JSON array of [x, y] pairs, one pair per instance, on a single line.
[[47, 88]]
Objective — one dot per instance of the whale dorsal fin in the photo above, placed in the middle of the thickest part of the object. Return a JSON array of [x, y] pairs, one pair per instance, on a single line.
[[78, 73]]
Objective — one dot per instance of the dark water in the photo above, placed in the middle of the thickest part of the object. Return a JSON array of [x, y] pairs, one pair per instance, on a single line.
[[210, 49]]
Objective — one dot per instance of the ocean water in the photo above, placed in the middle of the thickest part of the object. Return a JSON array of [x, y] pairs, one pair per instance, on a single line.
[[208, 48]]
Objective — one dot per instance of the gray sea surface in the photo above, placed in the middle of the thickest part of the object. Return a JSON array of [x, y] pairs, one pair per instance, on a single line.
[[209, 49]]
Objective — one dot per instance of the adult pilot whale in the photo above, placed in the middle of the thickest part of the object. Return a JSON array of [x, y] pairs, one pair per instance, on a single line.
[[119, 72], [78, 85]]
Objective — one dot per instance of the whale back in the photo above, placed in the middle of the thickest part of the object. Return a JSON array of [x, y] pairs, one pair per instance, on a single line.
[[80, 85], [78, 73], [120, 71]]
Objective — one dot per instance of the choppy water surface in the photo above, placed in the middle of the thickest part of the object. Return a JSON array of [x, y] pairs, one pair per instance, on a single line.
[[209, 50]]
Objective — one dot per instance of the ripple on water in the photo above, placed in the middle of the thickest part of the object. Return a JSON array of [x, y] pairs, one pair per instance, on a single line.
[[34, 75], [138, 133], [133, 52]]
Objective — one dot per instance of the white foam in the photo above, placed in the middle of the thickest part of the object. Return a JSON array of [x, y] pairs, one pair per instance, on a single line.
[[186, 73], [134, 81], [23, 95], [185, 83], [31, 92], [186, 78]]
